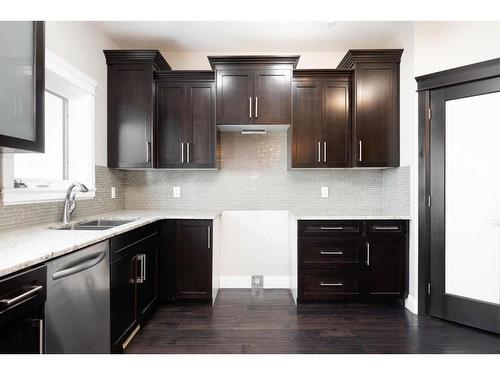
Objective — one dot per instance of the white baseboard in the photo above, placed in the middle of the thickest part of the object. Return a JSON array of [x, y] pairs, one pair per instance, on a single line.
[[411, 304], [245, 282]]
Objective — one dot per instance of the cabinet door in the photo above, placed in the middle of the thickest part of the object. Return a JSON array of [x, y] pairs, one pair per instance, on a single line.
[[306, 126], [377, 115], [385, 263], [22, 78], [234, 97], [193, 259], [335, 124], [272, 96], [147, 286], [123, 298], [200, 124], [170, 124], [130, 109]]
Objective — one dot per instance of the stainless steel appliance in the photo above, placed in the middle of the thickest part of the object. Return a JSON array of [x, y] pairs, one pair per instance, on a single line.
[[77, 312]]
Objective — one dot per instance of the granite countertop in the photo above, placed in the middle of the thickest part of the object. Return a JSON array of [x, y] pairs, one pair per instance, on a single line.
[[26, 247]]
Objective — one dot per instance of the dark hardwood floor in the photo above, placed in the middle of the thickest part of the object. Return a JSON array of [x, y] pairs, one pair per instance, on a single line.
[[268, 322]]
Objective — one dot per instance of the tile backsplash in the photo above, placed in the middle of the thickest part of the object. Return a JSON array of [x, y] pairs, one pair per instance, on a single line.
[[253, 175], [18, 216]]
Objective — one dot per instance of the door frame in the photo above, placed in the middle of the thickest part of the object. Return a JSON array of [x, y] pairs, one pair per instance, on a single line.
[[425, 85]]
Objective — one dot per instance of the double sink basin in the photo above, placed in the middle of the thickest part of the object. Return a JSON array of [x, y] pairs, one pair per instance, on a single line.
[[101, 224]]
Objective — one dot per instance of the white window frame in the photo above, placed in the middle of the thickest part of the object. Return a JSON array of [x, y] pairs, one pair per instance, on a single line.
[[12, 196]]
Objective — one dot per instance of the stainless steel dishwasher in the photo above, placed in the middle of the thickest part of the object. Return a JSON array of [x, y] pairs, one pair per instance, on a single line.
[[77, 311]]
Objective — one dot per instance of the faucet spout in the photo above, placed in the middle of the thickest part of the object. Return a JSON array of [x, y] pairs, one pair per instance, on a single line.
[[69, 202]]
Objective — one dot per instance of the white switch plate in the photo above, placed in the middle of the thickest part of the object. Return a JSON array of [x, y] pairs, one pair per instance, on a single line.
[[113, 192], [324, 191], [177, 191]]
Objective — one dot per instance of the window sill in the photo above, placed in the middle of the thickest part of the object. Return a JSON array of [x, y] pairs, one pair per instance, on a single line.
[[12, 197]]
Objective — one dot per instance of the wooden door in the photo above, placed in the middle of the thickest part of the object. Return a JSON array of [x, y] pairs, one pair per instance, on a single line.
[[147, 288], [272, 96], [234, 97], [376, 141], [123, 298], [336, 124], [130, 115], [171, 134], [193, 259], [306, 126], [200, 124], [385, 266]]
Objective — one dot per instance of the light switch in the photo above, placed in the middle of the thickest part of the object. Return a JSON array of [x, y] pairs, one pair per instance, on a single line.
[[324, 191], [113, 192], [177, 191]]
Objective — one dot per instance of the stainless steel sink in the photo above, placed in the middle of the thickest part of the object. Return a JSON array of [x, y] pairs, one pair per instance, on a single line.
[[101, 224]]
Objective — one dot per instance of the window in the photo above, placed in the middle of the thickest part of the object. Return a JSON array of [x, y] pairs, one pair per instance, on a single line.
[[69, 141]]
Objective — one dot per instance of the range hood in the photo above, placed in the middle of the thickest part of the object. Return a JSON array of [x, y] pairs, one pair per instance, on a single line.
[[253, 128]]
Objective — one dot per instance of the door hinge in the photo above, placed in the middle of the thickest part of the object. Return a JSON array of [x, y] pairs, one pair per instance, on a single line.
[[429, 113], [429, 200], [428, 289]]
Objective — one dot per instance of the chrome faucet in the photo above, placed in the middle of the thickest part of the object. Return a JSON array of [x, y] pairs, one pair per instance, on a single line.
[[69, 202]]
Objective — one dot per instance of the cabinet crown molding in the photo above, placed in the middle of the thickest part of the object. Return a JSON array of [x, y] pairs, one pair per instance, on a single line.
[[216, 61], [323, 73], [354, 56], [191, 75], [135, 56]]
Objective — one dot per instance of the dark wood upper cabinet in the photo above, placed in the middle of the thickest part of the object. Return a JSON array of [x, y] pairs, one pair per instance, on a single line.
[[253, 89], [376, 106], [193, 259], [321, 125], [22, 79], [185, 119], [131, 106]]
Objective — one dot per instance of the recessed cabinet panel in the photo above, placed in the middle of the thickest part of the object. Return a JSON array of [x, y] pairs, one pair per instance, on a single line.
[[235, 97], [385, 275], [335, 124], [171, 101], [306, 128], [272, 96]]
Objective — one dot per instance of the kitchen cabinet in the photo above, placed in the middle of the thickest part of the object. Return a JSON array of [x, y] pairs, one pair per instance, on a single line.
[[253, 89], [185, 119], [193, 260], [131, 106], [134, 282], [321, 125], [22, 78], [22, 303], [376, 106], [352, 260]]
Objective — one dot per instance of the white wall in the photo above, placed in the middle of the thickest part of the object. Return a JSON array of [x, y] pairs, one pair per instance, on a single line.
[[445, 45], [254, 243], [81, 45]]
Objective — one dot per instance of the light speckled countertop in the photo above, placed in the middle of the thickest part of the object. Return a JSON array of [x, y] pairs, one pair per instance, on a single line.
[[29, 246]]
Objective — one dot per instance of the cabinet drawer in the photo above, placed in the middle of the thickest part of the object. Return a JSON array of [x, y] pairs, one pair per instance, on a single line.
[[332, 284], [329, 252], [330, 228], [122, 242], [386, 227]]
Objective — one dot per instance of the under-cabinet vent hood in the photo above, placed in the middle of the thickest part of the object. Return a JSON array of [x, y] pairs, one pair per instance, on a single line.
[[252, 129]]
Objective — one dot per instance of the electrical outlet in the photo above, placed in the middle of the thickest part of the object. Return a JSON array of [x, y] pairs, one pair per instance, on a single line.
[[324, 192], [177, 191], [257, 281], [113, 192]]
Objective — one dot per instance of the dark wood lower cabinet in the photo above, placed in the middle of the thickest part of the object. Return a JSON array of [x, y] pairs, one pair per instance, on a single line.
[[337, 263]]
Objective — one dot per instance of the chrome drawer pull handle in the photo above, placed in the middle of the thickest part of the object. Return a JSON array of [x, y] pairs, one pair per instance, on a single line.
[[21, 297], [331, 252], [385, 228], [332, 284], [331, 228]]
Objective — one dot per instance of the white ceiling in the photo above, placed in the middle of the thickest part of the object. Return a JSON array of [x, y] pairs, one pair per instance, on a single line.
[[253, 36]]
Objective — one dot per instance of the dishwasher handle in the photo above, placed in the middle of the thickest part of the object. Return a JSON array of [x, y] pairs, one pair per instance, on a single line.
[[85, 265]]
